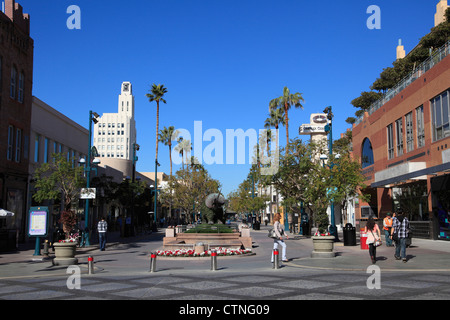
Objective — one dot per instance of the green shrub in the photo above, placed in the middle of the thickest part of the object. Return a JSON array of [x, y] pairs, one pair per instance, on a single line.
[[211, 228]]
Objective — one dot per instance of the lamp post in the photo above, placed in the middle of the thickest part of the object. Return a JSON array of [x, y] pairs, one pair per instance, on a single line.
[[329, 129], [133, 178], [156, 190], [92, 118]]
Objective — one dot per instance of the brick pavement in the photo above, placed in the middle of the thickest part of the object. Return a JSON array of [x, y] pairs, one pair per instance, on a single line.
[[122, 272]]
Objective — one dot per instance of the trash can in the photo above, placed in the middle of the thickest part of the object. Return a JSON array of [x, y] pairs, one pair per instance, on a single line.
[[256, 225], [305, 228], [349, 235]]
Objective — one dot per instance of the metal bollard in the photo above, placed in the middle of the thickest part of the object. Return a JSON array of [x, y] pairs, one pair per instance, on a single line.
[[276, 261], [213, 260], [90, 265], [46, 248], [152, 262]]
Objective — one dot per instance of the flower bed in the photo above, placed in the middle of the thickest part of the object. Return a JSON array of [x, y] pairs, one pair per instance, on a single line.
[[71, 238], [206, 253]]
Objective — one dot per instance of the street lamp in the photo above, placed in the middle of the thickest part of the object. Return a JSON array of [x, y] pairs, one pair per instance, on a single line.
[[92, 151], [329, 129], [156, 190]]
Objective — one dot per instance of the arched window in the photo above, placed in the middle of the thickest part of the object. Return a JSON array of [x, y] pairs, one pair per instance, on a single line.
[[367, 153]]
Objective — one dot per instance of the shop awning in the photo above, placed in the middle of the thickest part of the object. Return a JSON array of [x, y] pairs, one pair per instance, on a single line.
[[414, 175], [6, 213]]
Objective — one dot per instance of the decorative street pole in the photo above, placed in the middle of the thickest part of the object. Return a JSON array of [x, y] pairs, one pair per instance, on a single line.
[[328, 111], [87, 169], [156, 190]]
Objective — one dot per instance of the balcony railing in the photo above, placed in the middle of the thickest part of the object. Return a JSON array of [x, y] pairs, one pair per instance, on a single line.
[[434, 59]]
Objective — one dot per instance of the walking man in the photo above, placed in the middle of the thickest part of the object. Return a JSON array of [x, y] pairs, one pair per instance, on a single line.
[[399, 233], [387, 226], [102, 227]]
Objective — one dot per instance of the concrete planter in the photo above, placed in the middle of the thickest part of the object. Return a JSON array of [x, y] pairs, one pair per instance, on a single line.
[[323, 247], [65, 254]]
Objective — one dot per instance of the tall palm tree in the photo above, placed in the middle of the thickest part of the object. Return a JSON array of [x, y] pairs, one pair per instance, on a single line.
[[286, 101], [276, 117], [157, 93], [183, 147], [166, 136]]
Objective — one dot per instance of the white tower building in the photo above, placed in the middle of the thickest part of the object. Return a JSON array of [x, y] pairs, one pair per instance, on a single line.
[[115, 133]]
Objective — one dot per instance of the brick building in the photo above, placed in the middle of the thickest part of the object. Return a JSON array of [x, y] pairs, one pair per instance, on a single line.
[[404, 146], [16, 77]]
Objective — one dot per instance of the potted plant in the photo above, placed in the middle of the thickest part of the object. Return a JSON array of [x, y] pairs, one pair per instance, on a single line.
[[65, 250], [323, 242]]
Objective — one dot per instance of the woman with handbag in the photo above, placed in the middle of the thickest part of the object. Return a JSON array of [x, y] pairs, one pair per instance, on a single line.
[[279, 240], [373, 238]]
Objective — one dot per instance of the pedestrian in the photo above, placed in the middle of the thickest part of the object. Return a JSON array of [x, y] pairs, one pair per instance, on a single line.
[[373, 235], [102, 227], [400, 233], [279, 240], [387, 226]]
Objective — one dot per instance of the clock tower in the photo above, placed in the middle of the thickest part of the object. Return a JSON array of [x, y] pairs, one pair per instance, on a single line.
[[126, 100]]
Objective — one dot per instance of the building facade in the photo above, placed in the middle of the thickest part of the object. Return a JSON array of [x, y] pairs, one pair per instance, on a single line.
[[16, 81], [404, 147], [63, 136], [115, 133]]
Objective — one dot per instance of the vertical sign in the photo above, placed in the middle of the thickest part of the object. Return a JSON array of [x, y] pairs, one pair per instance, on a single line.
[[38, 222]]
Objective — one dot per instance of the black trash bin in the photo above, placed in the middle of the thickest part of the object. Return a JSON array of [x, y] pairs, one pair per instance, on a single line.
[[256, 225], [305, 228], [349, 235]]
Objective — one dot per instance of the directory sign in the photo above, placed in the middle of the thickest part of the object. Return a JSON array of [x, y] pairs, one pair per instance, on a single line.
[[38, 222]]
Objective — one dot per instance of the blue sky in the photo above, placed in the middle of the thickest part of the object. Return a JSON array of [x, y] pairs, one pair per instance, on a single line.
[[221, 61]]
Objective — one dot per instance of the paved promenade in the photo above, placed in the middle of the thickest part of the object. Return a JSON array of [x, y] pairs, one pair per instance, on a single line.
[[122, 272]]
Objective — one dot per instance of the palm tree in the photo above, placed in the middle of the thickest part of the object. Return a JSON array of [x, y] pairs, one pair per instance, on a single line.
[[286, 101], [156, 94], [276, 117], [183, 147], [166, 136]]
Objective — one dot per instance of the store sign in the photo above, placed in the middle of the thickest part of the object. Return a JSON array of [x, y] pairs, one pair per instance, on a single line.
[[87, 193], [38, 222], [320, 119], [308, 129]]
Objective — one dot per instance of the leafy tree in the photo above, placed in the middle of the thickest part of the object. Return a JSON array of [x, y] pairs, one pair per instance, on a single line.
[[59, 178], [366, 99], [303, 178], [190, 187], [439, 35]]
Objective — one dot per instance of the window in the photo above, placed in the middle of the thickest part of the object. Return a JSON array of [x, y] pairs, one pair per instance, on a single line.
[[390, 137], [46, 150], [440, 114], [420, 127], [18, 144], [399, 133], [12, 92], [21, 87], [409, 132], [10, 142], [367, 153], [36, 148]]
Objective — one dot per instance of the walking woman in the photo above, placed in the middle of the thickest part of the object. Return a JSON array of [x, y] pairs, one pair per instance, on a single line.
[[279, 241], [373, 235]]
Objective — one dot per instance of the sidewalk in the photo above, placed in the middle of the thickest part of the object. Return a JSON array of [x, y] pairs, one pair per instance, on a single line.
[[128, 255]]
